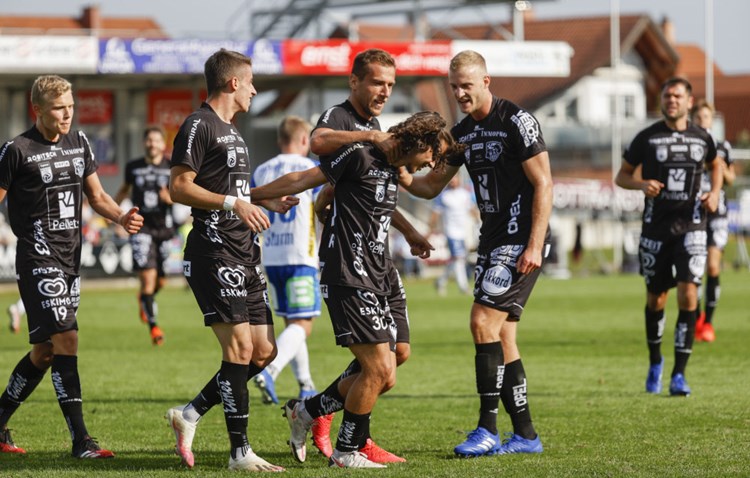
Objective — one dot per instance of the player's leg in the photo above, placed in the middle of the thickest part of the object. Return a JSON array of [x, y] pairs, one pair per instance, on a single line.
[[689, 265], [486, 324], [713, 292], [377, 376], [15, 312], [514, 396], [148, 279], [656, 269], [25, 377]]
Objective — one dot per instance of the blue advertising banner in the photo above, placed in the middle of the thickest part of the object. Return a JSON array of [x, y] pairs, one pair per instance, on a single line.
[[146, 55]]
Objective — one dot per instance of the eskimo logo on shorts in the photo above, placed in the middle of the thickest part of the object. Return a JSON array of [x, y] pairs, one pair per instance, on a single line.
[[497, 280], [367, 297], [231, 277], [53, 287]]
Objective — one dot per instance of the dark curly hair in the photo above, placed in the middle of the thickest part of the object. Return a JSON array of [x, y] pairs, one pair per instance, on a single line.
[[425, 130]]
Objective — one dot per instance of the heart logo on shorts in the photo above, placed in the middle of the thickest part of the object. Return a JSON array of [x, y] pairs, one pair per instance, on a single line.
[[232, 277], [53, 287]]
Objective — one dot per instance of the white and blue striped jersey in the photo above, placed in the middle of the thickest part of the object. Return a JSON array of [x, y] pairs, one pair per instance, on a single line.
[[291, 239]]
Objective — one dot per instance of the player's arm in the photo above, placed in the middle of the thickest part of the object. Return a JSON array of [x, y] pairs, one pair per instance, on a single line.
[[324, 141], [729, 174], [182, 189], [710, 199], [122, 193], [538, 172], [627, 179], [420, 246], [105, 206], [323, 202], [3, 193], [428, 185], [288, 184]]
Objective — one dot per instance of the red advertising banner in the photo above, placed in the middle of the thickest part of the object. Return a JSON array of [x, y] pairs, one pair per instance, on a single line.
[[94, 112], [94, 107], [168, 109], [334, 57]]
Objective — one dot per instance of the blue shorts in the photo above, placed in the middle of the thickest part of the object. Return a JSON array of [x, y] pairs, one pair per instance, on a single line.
[[296, 291]]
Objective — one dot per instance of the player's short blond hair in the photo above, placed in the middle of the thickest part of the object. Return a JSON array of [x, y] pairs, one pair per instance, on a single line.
[[290, 127], [47, 88], [468, 58]]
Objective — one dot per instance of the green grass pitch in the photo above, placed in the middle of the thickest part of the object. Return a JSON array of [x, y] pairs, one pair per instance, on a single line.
[[583, 345]]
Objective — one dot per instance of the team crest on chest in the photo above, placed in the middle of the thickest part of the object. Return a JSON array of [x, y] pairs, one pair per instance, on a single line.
[[78, 166], [662, 152], [46, 172], [494, 150], [696, 152], [231, 157]]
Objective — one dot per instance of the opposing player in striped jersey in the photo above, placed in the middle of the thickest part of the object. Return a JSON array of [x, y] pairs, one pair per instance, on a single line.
[[290, 257]]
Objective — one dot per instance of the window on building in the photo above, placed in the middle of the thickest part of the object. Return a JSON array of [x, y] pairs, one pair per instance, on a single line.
[[571, 109], [627, 106]]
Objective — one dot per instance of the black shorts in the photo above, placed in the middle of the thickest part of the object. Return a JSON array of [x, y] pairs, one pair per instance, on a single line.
[[51, 298], [397, 304], [228, 292], [718, 231], [498, 285], [149, 252], [681, 258], [359, 316]]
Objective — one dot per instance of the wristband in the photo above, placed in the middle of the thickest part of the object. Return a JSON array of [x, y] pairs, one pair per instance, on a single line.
[[229, 202]]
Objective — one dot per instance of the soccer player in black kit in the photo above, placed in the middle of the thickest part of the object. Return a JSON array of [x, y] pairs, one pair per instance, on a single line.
[[717, 226], [44, 173], [371, 83], [508, 163], [147, 181], [211, 173], [354, 277], [672, 154]]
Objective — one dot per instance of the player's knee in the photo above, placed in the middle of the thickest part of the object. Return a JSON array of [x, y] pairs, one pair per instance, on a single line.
[[264, 355], [42, 355]]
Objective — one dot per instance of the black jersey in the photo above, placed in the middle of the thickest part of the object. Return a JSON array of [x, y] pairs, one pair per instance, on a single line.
[[497, 146], [366, 191], [146, 181], [676, 159], [218, 154], [343, 117], [44, 181], [723, 152]]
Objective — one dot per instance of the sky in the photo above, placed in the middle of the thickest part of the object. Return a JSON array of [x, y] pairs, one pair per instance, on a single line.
[[191, 18]]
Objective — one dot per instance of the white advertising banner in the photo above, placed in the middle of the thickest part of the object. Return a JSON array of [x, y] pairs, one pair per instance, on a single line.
[[521, 58], [48, 54]]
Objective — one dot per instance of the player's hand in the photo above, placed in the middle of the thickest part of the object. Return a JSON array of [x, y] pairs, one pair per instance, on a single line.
[[419, 246], [529, 261], [322, 213], [280, 205], [404, 177], [382, 141], [651, 188], [131, 221], [251, 215], [710, 201]]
